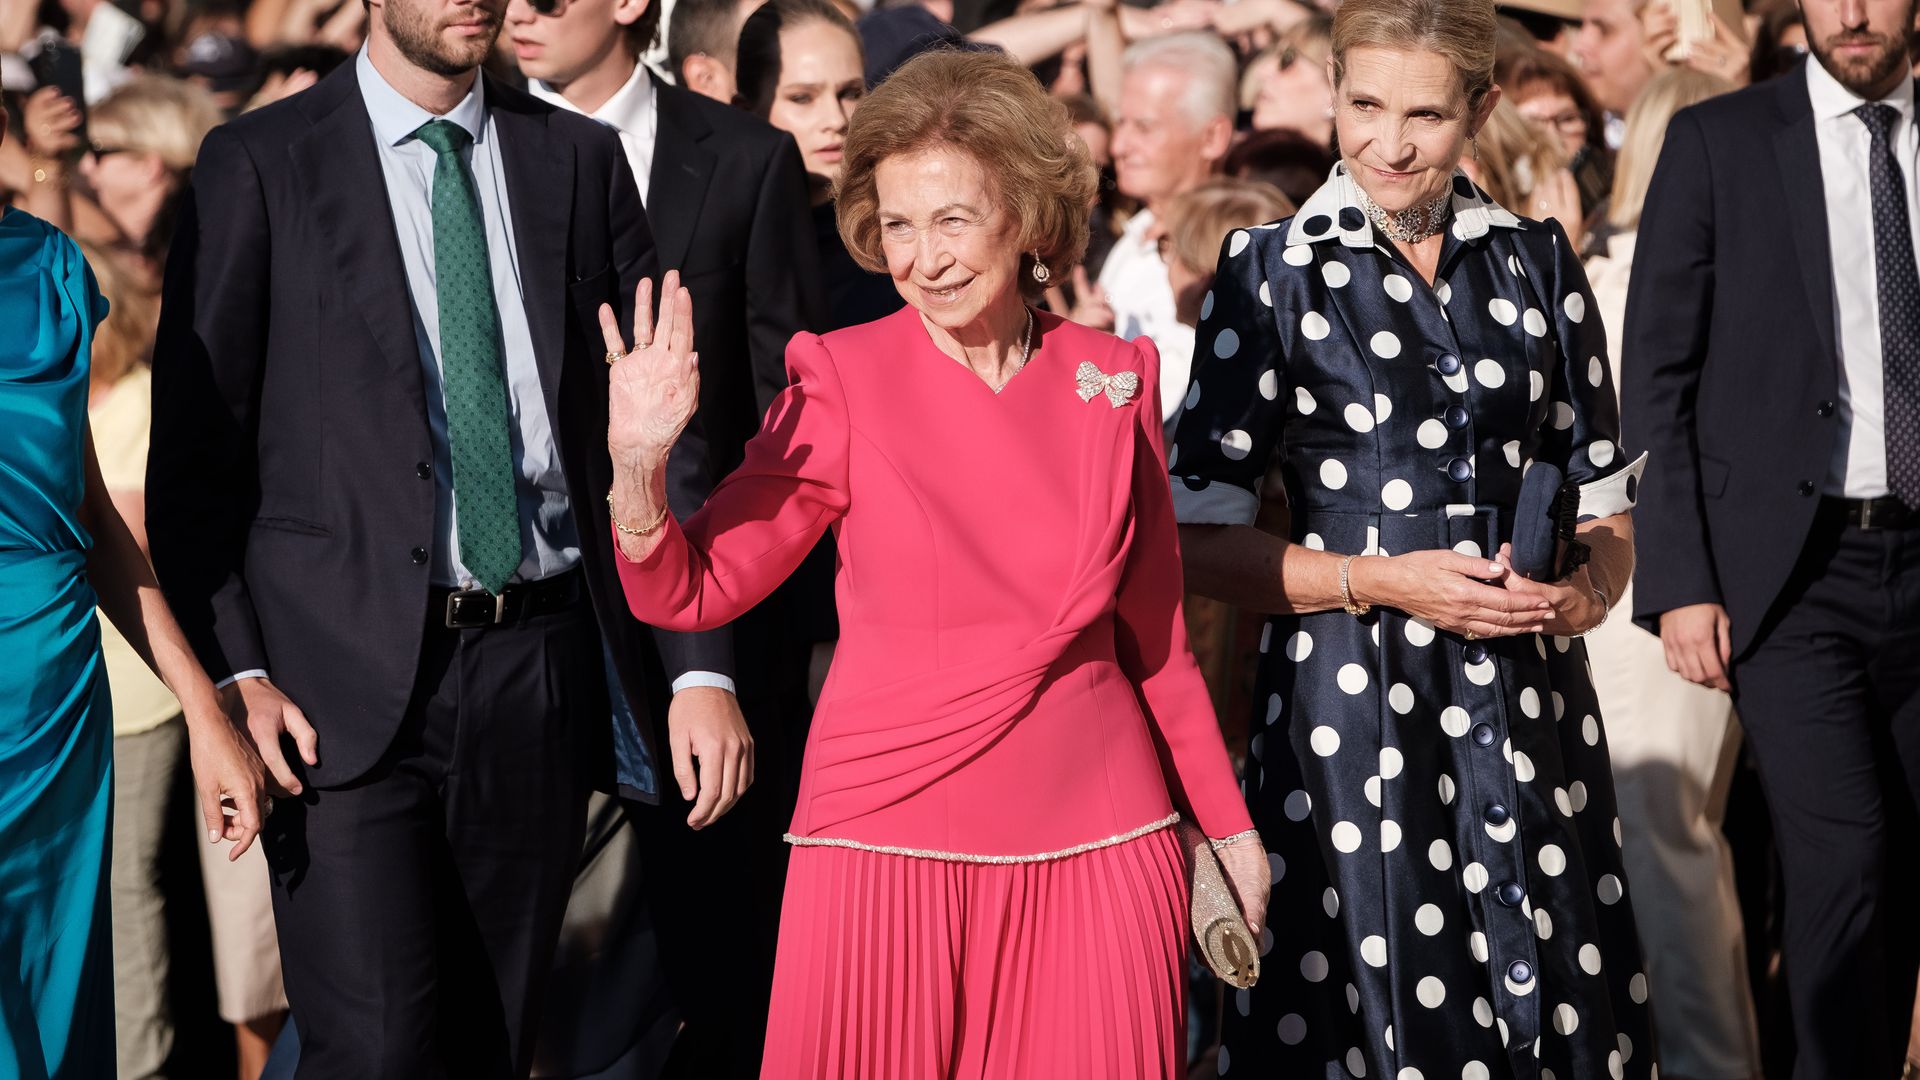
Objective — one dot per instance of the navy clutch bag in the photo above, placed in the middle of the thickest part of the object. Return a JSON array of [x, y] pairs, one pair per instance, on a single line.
[[1544, 547]]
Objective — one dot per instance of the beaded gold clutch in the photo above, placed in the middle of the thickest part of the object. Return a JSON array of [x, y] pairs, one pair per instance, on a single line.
[[1219, 926]]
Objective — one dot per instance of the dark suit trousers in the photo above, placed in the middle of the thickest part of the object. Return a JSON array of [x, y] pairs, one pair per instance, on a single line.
[[1830, 698], [418, 907], [714, 895]]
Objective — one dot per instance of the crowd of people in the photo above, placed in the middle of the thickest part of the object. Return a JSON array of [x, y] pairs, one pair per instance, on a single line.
[[711, 538]]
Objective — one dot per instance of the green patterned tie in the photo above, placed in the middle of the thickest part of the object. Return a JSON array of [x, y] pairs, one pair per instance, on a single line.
[[472, 375]]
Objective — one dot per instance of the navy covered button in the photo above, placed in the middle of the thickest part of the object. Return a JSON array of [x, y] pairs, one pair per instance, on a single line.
[[1476, 653], [1497, 814], [1457, 416], [1448, 364], [1511, 894], [1483, 734], [1520, 972], [1459, 470]]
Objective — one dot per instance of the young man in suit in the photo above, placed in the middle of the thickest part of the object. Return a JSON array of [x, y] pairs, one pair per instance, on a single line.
[[1772, 367], [377, 495], [726, 196]]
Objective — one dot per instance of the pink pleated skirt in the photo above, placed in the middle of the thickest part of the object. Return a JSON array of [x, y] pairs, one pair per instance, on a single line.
[[895, 967]]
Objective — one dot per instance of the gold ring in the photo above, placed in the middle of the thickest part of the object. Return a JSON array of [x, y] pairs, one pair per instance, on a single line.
[[1471, 636], [614, 357]]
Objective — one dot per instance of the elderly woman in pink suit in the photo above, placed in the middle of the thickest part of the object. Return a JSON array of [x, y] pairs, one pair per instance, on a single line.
[[984, 881]]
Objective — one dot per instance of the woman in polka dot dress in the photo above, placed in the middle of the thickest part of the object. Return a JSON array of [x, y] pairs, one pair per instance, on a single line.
[[1429, 768]]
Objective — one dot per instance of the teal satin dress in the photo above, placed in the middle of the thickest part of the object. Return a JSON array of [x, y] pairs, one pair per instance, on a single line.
[[56, 732]]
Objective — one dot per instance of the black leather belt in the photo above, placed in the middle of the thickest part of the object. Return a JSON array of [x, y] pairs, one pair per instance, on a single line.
[[471, 609], [1885, 512]]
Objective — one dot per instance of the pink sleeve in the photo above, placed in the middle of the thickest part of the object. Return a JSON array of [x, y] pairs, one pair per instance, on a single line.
[[763, 519], [1151, 637]]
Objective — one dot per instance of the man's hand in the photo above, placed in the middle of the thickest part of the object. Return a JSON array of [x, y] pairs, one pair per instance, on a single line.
[[704, 722], [266, 714], [1699, 644]]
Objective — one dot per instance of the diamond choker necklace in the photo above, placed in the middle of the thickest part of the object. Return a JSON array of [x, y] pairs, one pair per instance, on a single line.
[[1412, 225]]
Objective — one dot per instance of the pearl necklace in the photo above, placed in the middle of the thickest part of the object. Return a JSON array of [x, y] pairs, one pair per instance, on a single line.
[[1026, 350], [1412, 225]]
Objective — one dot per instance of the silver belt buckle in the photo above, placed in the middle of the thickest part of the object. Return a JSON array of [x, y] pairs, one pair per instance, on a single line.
[[453, 601], [1866, 513]]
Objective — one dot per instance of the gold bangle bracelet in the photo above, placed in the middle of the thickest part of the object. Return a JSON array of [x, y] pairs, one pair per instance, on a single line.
[[630, 530], [1352, 606]]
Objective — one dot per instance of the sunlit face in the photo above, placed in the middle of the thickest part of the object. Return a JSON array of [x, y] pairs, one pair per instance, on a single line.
[[1609, 48], [1296, 96], [949, 242], [1403, 122], [821, 83], [122, 180], [1160, 148], [446, 37], [1862, 43], [1559, 116], [559, 48]]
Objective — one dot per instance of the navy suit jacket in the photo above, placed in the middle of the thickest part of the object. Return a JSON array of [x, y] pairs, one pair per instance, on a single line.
[[286, 509], [1729, 367]]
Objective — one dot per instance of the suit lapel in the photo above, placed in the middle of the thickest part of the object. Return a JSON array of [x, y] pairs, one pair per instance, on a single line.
[[539, 168], [340, 163], [677, 185], [1797, 149]]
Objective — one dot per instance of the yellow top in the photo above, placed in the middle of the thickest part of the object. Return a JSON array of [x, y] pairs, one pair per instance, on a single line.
[[121, 424]]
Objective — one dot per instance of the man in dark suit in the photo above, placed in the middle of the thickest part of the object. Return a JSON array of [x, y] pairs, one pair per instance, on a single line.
[[726, 196], [377, 498], [1772, 367]]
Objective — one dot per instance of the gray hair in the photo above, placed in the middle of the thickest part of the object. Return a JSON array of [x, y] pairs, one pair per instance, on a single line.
[[1211, 72]]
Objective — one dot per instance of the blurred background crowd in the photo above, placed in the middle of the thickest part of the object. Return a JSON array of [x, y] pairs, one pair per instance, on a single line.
[[1204, 115]]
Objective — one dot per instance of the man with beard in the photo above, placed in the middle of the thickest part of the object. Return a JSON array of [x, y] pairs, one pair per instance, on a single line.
[[1772, 366], [377, 495]]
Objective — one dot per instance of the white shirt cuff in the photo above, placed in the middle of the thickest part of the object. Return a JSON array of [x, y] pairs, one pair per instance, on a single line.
[[250, 673], [703, 678]]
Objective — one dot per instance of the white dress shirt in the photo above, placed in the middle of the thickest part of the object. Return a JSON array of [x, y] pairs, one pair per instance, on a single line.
[[1859, 469], [1135, 282], [631, 111]]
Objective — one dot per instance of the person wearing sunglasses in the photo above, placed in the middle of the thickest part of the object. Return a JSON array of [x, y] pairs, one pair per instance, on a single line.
[[1295, 93]]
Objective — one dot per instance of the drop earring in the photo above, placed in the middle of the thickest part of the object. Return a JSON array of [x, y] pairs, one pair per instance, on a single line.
[[1041, 274]]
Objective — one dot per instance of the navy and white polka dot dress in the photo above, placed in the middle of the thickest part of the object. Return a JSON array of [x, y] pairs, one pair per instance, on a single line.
[[1449, 899]]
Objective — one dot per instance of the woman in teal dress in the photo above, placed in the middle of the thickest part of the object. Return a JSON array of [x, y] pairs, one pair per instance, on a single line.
[[62, 548]]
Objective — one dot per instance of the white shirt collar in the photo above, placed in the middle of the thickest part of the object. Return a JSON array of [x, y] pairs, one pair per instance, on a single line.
[[395, 118], [630, 109], [1832, 101], [1334, 211]]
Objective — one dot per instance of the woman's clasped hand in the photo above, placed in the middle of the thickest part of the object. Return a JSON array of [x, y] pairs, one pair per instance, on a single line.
[[1476, 597]]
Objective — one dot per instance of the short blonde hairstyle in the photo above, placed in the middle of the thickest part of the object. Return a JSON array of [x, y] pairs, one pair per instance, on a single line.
[[153, 115], [992, 109], [1669, 92], [1200, 219], [1462, 31]]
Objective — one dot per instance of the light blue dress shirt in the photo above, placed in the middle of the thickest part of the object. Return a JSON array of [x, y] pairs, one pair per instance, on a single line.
[[548, 542]]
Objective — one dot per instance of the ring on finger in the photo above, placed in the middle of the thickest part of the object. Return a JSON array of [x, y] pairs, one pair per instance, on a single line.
[[1471, 636], [614, 357]]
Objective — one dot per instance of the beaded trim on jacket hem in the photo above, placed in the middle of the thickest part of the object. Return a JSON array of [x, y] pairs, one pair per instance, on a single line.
[[959, 856]]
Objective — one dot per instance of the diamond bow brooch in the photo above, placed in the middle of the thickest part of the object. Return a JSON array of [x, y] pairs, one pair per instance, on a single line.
[[1118, 388]]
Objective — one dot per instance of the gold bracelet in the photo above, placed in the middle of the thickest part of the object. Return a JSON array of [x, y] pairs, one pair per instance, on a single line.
[[630, 530], [1354, 607]]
